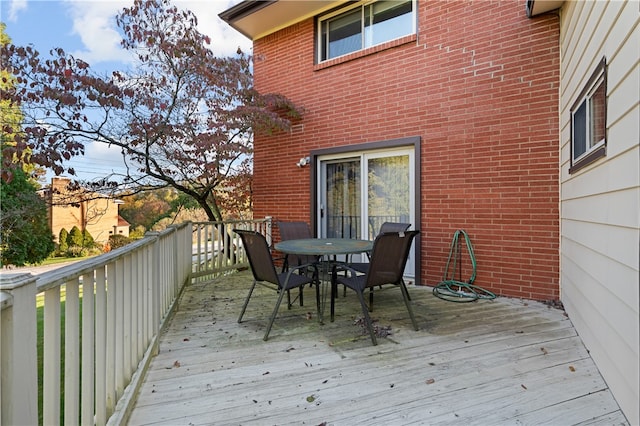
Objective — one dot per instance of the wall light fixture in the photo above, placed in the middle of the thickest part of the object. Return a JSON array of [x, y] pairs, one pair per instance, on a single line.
[[303, 161]]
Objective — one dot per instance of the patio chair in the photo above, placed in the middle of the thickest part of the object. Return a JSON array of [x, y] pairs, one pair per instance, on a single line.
[[264, 273], [385, 227], [388, 259], [296, 231], [363, 267]]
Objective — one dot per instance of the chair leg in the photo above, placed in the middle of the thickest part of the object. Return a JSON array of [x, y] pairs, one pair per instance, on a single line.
[[246, 301], [334, 290], [407, 291], [319, 309], [370, 299], [406, 297], [274, 314], [367, 318]]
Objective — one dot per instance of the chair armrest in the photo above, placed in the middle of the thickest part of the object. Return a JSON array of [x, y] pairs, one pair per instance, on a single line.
[[343, 267]]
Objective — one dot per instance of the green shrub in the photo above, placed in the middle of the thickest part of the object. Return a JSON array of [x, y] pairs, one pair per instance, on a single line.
[[77, 251], [63, 246], [75, 238], [117, 241], [87, 240]]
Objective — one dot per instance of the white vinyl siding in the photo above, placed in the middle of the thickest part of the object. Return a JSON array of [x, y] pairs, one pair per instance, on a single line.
[[600, 203]]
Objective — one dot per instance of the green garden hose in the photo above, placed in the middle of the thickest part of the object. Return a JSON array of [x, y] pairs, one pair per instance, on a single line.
[[454, 290]]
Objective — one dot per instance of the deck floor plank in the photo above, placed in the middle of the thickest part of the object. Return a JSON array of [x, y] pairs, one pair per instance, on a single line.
[[506, 361]]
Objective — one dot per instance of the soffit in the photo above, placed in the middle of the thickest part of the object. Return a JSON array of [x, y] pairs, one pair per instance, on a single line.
[[256, 19], [536, 7]]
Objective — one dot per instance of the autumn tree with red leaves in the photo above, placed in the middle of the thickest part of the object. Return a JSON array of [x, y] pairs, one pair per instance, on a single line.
[[182, 117]]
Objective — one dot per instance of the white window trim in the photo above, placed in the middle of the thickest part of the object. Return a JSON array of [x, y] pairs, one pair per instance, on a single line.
[[361, 5]]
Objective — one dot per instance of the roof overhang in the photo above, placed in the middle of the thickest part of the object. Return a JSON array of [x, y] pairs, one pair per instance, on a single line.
[[258, 18], [536, 7]]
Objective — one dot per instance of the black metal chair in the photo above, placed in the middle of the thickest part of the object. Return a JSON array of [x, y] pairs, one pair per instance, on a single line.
[[363, 267], [388, 259], [264, 273], [295, 231], [385, 227]]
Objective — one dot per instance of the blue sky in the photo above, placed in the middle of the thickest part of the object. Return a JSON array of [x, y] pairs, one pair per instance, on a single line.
[[86, 29]]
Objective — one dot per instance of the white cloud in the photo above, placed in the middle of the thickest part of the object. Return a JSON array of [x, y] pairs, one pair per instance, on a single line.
[[94, 23], [224, 39], [15, 7]]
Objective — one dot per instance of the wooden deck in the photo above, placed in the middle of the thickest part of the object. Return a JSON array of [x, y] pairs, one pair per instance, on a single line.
[[505, 361]]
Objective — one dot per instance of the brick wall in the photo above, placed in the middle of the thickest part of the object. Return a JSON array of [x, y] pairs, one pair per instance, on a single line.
[[479, 85]]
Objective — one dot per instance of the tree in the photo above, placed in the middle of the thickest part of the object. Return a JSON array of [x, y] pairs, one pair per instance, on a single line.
[[62, 241], [25, 236], [87, 239], [10, 121], [182, 117], [10, 114], [146, 208], [75, 237]]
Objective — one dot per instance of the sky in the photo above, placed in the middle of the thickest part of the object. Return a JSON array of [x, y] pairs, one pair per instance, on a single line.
[[87, 30]]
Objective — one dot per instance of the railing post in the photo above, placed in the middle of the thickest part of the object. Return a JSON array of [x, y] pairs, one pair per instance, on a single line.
[[154, 279], [268, 231], [18, 350]]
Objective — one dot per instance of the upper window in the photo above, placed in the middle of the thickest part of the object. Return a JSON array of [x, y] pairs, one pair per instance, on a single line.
[[364, 25], [589, 121]]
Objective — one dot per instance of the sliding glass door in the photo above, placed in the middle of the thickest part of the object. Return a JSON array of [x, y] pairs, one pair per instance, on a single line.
[[360, 191]]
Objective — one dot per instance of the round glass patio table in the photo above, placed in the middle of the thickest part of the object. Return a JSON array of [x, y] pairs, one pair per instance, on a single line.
[[324, 247]]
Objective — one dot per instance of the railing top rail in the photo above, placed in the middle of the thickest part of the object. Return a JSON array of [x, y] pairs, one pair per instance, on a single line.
[[231, 222]]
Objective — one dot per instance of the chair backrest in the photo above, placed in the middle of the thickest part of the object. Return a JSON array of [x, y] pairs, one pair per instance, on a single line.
[[257, 249], [393, 227], [294, 230], [389, 257]]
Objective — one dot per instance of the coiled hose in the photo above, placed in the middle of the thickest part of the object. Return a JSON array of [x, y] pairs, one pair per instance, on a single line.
[[454, 290]]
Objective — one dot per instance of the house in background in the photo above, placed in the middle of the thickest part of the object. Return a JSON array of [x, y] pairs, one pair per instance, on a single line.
[[516, 121], [94, 212]]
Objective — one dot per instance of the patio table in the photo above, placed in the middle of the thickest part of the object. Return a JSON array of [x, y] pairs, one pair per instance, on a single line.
[[324, 247]]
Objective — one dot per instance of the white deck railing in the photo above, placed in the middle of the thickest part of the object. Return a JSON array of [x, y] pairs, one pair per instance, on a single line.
[[100, 322]]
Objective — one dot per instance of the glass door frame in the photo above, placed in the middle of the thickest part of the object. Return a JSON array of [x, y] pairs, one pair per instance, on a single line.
[[344, 151]]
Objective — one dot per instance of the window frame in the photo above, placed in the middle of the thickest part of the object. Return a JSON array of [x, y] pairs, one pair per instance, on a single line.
[[411, 142], [597, 149], [321, 44]]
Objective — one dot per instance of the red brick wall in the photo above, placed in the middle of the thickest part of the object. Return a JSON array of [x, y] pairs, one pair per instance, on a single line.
[[479, 85]]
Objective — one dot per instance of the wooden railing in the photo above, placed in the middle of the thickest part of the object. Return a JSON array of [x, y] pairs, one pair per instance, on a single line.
[[100, 319], [215, 246]]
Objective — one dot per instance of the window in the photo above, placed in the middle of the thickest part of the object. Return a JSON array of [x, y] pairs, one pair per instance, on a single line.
[[589, 121], [363, 26]]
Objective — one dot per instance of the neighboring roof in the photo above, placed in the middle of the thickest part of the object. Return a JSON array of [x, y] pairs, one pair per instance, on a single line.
[[536, 7], [258, 18], [122, 221]]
